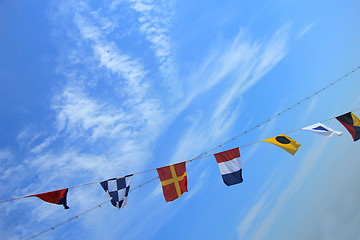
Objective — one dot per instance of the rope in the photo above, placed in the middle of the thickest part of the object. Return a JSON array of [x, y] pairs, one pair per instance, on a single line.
[[282, 112], [85, 212], [151, 180], [206, 154]]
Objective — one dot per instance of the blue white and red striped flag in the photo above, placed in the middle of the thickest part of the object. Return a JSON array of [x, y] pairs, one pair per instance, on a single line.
[[230, 166]]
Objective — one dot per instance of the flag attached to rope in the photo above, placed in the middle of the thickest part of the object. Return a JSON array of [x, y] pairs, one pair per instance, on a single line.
[[322, 129], [351, 123], [117, 189], [56, 197], [230, 166], [173, 180], [285, 142]]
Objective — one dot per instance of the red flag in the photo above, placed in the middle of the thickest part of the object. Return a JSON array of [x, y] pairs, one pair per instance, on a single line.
[[173, 180], [56, 197]]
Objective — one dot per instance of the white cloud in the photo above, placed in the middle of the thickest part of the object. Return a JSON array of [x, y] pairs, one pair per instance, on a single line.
[[39, 148], [155, 21], [76, 114], [197, 186], [28, 136], [247, 62], [264, 134], [240, 65], [308, 113], [270, 53], [100, 137], [95, 137], [326, 205], [252, 215], [305, 29], [156, 192], [277, 205], [5, 154]]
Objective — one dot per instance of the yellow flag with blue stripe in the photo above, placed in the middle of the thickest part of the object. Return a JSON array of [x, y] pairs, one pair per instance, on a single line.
[[285, 142]]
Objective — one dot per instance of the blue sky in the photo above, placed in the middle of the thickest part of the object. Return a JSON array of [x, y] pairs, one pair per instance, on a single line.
[[95, 90]]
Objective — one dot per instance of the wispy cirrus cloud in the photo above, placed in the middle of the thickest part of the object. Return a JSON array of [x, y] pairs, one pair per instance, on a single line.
[[305, 29], [5, 154], [77, 114], [155, 23], [238, 65], [122, 126], [274, 206], [253, 214], [106, 118]]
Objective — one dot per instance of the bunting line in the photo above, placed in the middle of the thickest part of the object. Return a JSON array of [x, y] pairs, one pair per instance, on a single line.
[[151, 180], [285, 110], [206, 154], [296, 129], [68, 220], [83, 213], [86, 184]]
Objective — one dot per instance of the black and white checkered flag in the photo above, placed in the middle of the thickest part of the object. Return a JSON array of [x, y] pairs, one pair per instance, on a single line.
[[117, 190]]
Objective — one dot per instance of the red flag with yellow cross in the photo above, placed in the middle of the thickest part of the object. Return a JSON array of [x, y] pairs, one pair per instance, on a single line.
[[173, 180]]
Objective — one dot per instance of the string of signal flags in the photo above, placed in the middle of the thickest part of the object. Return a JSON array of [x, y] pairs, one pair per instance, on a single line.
[[174, 179]]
